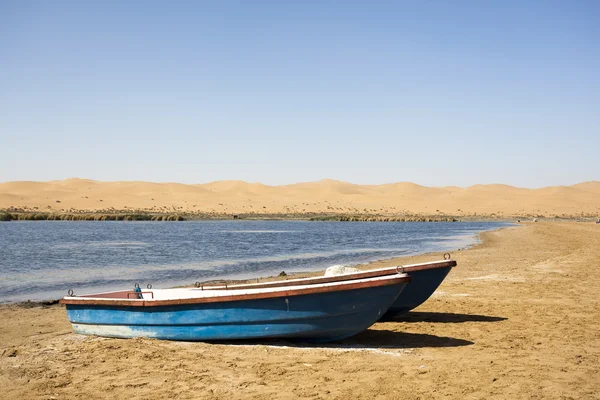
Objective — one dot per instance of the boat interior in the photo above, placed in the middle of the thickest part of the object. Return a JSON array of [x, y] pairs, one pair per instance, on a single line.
[[199, 292]]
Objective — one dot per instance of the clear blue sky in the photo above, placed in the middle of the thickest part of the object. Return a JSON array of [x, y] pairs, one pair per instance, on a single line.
[[433, 92]]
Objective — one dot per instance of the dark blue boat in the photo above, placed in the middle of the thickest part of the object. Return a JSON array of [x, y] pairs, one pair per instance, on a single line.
[[318, 312], [426, 278], [424, 283]]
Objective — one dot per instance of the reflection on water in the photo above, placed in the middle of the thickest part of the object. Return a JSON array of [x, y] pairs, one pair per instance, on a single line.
[[43, 259]]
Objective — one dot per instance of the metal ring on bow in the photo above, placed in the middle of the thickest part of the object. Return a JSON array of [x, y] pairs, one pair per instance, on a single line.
[[400, 269], [447, 256], [149, 286], [70, 292]]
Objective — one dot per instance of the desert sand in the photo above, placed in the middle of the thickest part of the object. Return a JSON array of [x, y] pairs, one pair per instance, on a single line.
[[518, 318], [326, 196]]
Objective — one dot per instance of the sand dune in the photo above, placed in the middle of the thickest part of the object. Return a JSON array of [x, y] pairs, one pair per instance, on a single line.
[[325, 196]]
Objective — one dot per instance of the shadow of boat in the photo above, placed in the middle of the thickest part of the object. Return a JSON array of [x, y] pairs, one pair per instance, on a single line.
[[369, 339], [401, 340], [451, 318]]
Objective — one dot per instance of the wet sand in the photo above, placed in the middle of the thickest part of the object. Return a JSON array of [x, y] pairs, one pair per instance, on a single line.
[[518, 318]]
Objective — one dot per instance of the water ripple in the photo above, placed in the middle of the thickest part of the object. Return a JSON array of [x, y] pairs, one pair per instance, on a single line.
[[41, 260]]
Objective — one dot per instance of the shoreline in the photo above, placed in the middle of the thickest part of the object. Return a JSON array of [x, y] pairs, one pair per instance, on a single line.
[[18, 214], [381, 263], [495, 329], [143, 215], [475, 238]]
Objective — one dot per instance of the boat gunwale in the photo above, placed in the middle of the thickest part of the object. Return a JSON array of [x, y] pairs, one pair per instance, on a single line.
[[369, 273], [298, 291]]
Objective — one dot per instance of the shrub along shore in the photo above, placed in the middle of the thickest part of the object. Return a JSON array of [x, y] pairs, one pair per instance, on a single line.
[[130, 214], [5, 216], [178, 217], [143, 215]]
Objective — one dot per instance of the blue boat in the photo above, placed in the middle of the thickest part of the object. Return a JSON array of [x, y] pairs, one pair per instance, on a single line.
[[426, 278], [319, 312]]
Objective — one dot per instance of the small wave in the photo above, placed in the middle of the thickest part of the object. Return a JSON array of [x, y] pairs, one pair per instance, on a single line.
[[259, 231], [99, 244], [181, 273], [117, 244], [287, 257]]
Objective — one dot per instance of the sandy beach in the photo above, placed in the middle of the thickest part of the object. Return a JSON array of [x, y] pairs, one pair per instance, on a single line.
[[518, 318], [167, 146]]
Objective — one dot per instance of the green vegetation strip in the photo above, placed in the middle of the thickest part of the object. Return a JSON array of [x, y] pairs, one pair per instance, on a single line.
[[366, 218], [86, 217]]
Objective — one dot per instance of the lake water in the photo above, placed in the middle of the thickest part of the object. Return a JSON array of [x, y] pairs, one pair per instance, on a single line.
[[41, 260]]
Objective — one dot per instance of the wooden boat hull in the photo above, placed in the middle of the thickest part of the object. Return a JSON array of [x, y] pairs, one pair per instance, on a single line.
[[424, 283], [319, 317]]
